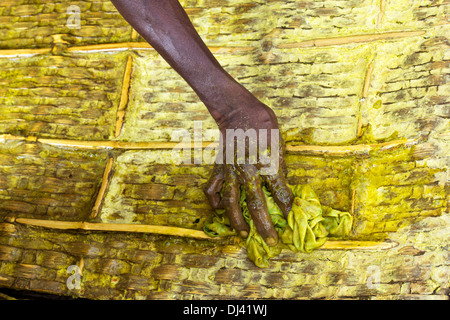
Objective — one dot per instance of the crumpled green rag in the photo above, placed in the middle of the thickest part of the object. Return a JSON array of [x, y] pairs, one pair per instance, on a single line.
[[307, 227]]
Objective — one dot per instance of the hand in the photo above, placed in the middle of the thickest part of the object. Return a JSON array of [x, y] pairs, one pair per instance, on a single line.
[[230, 174]]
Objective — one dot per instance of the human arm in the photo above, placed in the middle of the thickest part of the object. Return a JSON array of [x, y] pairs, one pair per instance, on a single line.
[[167, 28]]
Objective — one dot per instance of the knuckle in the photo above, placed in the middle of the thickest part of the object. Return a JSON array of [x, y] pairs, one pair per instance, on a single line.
[[208, 190]]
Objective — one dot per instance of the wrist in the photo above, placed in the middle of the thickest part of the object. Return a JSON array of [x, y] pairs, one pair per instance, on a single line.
[[226, 99]]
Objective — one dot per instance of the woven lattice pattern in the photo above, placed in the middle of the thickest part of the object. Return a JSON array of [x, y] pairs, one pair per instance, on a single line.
[[361, 92]]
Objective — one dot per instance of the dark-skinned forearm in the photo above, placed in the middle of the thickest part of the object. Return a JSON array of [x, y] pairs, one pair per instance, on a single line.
[[166, 27]]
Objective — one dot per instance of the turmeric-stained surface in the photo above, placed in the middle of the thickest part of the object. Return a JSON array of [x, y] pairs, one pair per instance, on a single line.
[[70, 96], [88, 120]]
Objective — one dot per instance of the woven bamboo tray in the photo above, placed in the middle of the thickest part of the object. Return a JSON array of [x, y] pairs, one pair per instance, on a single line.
[[86, 178]]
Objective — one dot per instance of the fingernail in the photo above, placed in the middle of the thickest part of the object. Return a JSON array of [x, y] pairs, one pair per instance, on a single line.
[[271, 241], [244, 234]]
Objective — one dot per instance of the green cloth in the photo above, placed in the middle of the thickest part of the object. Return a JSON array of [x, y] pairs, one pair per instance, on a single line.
[[307, 227]]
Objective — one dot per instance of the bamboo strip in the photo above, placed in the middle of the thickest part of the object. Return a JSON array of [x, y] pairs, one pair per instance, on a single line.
[[183, 232], [235, 250], [358, 245], [23, 52], [117, 227], [134, 34], [381, 13], [111, 46], [357, 149], [120, 144], [123, 97], [359, 125], [81, 265], [324, 42], [121, 46], [140, 45], [364, 94], [103, 188], [6, 137], [217, 49], [367, 78]]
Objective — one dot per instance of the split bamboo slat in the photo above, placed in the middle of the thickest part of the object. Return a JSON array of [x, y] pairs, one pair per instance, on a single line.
[[351, 39], [103, 188], [363, 99], [357, 149], [381, 13], [118, 227], [183, 232], [220, 49], [122, 46], [123, 97]]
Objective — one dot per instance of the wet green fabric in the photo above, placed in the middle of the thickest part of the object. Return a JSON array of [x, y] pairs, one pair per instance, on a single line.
[[306, 228]]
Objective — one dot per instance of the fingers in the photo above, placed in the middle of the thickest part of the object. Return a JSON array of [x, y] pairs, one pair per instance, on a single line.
[[229, 183], [230, 201], [280, 191], [256, 203], [276, 182], [225, 179], [214, 186]]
